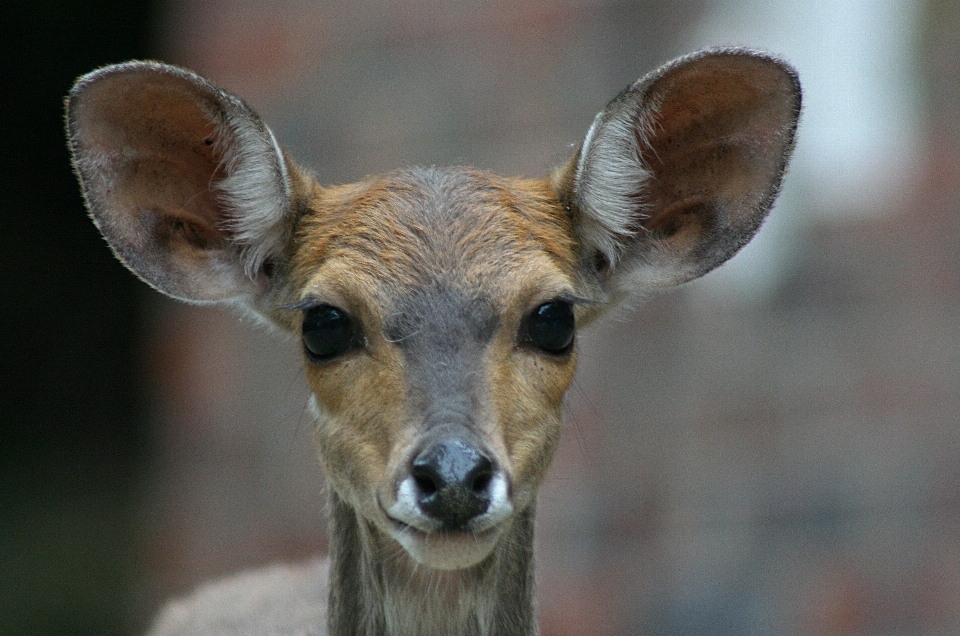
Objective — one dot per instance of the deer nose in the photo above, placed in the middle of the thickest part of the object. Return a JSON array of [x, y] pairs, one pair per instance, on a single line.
[[453, 480]]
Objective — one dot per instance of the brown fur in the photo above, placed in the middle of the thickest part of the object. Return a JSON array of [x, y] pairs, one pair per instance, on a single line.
[[365, 247]]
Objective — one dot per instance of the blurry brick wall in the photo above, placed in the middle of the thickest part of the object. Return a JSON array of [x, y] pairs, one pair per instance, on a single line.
[[729, 467]]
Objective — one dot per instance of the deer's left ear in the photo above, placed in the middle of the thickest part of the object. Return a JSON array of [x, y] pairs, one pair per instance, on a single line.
[[678, 172]]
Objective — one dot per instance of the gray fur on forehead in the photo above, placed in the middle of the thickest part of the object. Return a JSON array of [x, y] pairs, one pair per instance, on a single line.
[[439, 227], [446, 204], [440, 316], [442, 194]]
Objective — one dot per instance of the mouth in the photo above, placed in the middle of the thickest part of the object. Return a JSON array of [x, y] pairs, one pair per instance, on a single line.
[[401, 528], [446, 549]]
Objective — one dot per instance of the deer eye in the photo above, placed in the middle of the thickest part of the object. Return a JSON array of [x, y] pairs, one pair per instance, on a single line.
[[551, 327], [327, 332]]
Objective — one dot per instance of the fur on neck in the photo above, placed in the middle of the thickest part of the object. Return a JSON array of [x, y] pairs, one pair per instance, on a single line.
[[377, 589]]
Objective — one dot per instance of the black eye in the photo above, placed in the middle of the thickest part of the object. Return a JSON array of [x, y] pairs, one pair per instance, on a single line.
[[551, 327], [327, 332]]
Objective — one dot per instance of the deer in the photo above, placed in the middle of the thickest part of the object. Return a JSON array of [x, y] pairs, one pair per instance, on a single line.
[[438, 311]]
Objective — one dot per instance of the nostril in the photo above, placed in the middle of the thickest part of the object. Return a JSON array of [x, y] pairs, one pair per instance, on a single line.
[[479, 480], [426, 481]]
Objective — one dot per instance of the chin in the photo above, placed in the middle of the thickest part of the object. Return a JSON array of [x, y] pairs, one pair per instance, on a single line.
[[447, 550]]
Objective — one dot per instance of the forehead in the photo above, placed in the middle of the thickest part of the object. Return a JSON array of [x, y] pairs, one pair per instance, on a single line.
[[436, 232]]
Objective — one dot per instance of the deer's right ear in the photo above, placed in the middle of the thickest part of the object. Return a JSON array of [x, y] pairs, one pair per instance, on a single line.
[[183, 179], [678, 172]]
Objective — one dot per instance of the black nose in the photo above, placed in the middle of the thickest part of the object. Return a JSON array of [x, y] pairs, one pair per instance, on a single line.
[[453, 482]]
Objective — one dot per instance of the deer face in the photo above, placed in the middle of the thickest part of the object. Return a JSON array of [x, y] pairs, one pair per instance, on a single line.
[[439, 310]]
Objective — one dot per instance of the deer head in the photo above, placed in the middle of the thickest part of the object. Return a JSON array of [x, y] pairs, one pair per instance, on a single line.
[[438, 308]]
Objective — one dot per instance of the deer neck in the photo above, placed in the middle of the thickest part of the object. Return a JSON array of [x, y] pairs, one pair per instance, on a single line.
[[376, 589]]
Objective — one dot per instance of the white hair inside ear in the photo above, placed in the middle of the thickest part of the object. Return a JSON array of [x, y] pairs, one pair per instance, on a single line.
[[256, 190], [608, 192]]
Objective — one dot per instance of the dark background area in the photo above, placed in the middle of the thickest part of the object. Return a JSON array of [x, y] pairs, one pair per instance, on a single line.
[[71, 431]]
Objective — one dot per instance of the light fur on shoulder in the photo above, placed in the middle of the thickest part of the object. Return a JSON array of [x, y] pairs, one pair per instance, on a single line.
[[279, 600]]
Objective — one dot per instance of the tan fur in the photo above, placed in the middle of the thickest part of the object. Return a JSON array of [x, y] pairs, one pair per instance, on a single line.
[[386, 255]]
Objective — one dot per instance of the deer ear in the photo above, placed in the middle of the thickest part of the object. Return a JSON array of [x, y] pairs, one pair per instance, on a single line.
[[183, 179], [678, 172]]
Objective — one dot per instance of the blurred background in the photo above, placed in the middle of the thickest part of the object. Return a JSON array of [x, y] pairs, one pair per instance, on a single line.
[[772, 450]]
